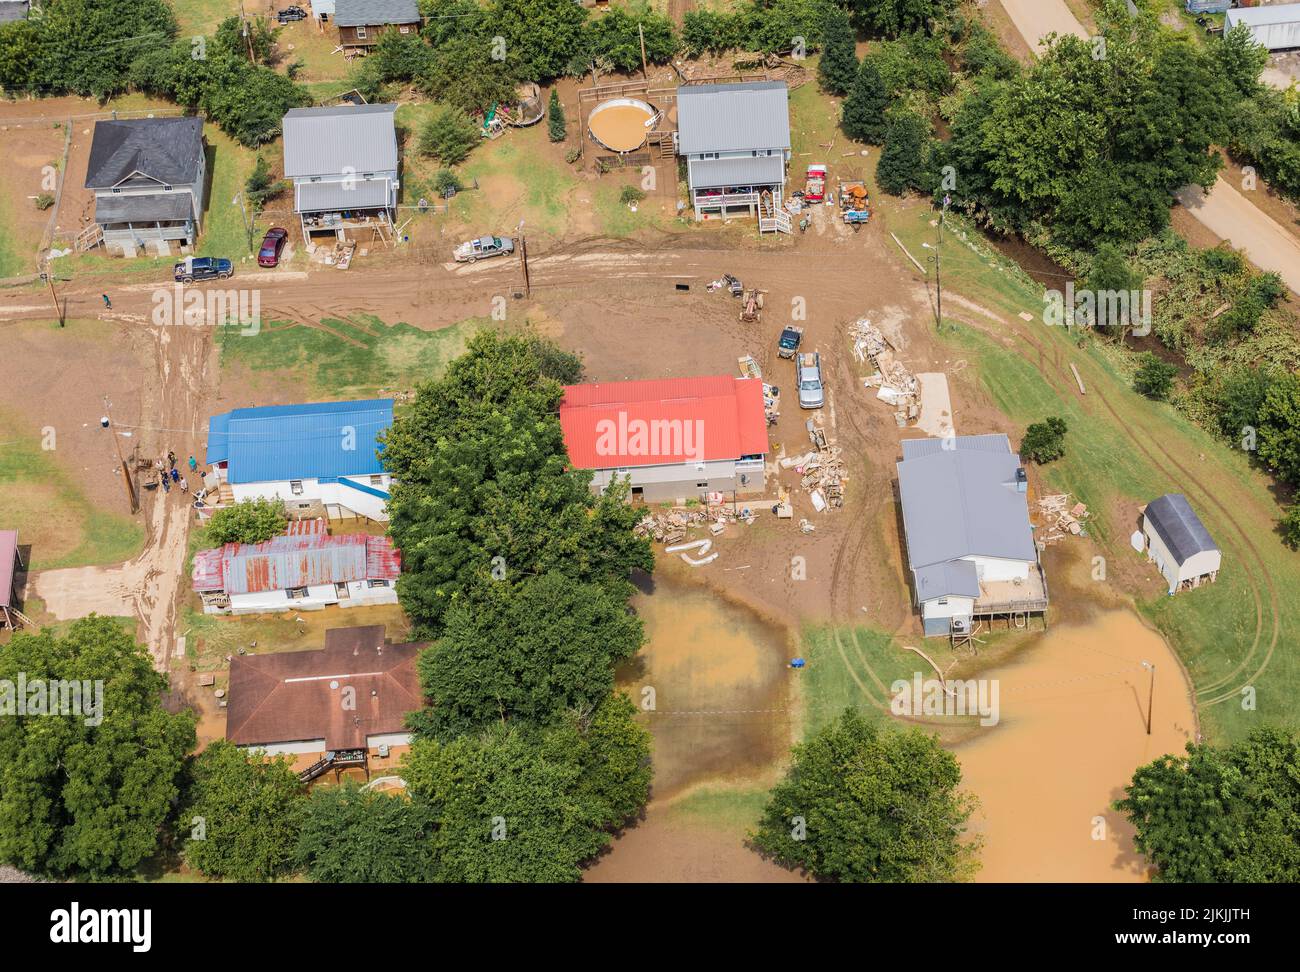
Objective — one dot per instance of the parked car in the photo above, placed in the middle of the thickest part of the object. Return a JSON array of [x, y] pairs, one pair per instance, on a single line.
[[202, 268], [272, 244], [812, 394], [290, 14], [483, 247], [789, 342]]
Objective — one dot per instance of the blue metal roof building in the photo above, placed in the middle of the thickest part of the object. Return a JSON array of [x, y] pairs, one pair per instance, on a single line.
[[323, 440]]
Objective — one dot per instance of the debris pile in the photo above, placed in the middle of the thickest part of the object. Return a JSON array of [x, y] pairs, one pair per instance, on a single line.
[[1059, 521], [670, 525], [822, 472], [898, 386]]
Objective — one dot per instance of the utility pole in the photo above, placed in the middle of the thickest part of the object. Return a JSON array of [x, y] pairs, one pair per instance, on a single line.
[[58, 308], [1151, 692], [645, 71], [523, 258], [938, 266], [107, 423], [248, 227]]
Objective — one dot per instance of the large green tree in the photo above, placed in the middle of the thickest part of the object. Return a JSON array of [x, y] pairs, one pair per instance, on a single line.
[[525, 651], [838, 67], [85, 793], [862, 115], [892, 17], [520, 804], [903, 163], [354, 836], [1221, 814], [484, 492], [1279, 428], [243, 813], [865, 804]]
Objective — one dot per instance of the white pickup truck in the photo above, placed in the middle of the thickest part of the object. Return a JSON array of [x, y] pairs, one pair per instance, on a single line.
[[483, 247]]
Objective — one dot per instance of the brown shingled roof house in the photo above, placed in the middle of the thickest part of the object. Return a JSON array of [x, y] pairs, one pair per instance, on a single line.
[[346, 703]]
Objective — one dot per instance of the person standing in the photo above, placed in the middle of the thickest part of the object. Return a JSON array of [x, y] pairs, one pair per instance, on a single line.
[[166, 483], [193, 465], [171, 459], [176, 476], [185, 486], [108, 304]]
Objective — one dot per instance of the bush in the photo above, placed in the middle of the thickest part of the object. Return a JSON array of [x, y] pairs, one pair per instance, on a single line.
[[446, 183], [1044, 441], [1154, 378], [630, 194], [1289, 526], [902, 164], [449, 136], [260, 186], [44, 201], [555, 122], [248, 521]]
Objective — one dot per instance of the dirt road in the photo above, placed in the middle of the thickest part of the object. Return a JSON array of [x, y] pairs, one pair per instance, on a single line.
[[1231, 216], [1224, 211], [1035, 19]]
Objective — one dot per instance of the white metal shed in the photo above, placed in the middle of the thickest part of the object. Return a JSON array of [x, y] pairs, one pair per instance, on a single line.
[[1276, 28]]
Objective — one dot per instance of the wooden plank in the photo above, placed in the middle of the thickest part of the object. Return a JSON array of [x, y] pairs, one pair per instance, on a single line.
[[1078, 379]]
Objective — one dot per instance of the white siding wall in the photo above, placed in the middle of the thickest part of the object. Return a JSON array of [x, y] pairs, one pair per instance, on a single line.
[[389, 739], [327, 493], [995, 569], [288, 748], [957, 607], [318, 596], [1201, 563], [674, 480]]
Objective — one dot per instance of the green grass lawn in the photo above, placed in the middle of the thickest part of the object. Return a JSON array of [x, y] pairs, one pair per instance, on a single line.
[[732, 810], [1124, 450], [347, 359], [12, 263], [50, 510]]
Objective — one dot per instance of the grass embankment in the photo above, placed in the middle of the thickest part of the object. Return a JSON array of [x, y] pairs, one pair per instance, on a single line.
[[353, 358], [51, 512]]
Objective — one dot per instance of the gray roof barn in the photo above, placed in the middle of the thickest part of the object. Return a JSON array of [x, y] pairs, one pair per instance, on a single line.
[[1179, 527], [339, 139], [733, 117], [366, 13], [961, 501], [159, 150]]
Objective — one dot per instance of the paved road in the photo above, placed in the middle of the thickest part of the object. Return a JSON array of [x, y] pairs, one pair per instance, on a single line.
[[1225, 212]]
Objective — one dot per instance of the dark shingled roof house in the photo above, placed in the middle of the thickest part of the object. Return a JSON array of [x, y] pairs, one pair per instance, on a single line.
[[362, 22], [148, 177]]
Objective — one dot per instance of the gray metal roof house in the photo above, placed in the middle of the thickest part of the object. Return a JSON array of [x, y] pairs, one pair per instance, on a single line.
[[736, 142], [1179, 543], [343, 163], [149, 176], [970, 545], [362, 22]]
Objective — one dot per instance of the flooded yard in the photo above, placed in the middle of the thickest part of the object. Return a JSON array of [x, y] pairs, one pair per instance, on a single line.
[[720, 681], [1071, 733]]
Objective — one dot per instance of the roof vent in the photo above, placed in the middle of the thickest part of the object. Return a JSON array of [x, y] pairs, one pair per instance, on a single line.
[[1022, 480]]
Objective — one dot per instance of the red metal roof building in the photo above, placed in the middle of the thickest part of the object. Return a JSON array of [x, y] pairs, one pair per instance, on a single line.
[[672, 437]]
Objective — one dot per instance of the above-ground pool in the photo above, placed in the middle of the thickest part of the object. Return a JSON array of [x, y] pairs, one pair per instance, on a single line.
[[621, 124]]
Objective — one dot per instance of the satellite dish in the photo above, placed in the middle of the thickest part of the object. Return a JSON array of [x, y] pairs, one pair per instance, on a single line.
[[1138, 541]]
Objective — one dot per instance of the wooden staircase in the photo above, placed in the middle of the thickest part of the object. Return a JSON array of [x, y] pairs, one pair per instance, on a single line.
[[89, 238]]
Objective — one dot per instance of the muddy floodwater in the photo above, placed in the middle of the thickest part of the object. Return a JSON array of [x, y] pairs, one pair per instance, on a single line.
[[720, 682], [1072, 730]]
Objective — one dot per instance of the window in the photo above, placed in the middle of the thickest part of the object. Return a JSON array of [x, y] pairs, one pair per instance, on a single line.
[[376, 583], [376, 480], [167, 188], [943, 601], [701, 485], [340, 589], [295, 593], [404, 30], [361, 33], [295, 486]]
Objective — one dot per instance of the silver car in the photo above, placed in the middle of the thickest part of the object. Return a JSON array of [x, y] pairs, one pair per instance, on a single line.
[[812, 393]]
